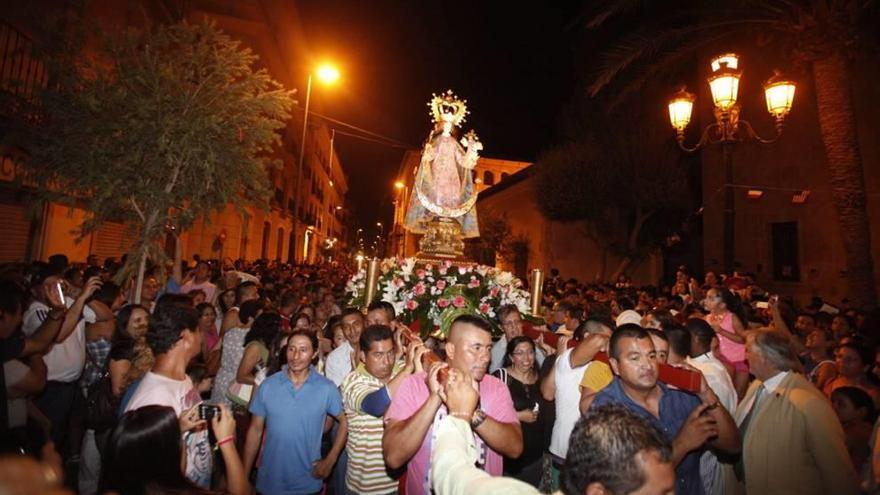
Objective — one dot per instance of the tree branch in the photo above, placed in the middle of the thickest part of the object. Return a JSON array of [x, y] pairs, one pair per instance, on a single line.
[[137, 209]]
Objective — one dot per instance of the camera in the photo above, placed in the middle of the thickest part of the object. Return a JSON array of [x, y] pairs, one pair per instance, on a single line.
[[208, 411]]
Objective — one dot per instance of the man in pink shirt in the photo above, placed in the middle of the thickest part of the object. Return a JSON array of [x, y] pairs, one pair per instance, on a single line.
[[419, 405]]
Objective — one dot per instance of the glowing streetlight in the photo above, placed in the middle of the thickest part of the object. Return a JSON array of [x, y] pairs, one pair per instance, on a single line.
[[328, 75], [728, 129]]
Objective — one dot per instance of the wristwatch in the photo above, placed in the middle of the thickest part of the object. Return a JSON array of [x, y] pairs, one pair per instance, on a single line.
[[477, 419]]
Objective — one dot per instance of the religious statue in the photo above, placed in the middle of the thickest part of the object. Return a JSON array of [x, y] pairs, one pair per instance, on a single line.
[[442, 204]]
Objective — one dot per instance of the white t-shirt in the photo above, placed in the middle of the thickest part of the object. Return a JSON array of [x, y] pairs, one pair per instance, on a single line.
[[209, 288], [339, 363], [14, 371], [158, 390], [65, 360], [568, 399], [719, 381]]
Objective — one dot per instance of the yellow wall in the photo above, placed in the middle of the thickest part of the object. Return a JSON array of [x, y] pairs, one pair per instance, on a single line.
[[553, 244]]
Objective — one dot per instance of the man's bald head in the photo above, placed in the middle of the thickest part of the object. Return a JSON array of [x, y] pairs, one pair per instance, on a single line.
[[469, 345]]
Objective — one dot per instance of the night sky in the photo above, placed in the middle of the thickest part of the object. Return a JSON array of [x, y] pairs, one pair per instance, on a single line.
[[512, 64]]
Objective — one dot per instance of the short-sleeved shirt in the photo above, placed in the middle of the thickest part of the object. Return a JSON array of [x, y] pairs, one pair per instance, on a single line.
[[411, 395], [597, 376], [65, 360], [339, 363], [675, 407], [294, 426], [366, 474], [181, 395]]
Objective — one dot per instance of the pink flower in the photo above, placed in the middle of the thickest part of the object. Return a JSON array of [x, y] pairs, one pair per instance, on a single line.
[[419, 289], [458, 301], [420, 273], [398, 282], [441, 284], [484, 308], [429, 267], [442, 302], [443, 271], [493, 292], [473, 283], [412, 304], [447, 263]]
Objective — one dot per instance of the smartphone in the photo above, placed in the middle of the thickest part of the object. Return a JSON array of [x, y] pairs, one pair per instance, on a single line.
[[59, 292], [208, 411]]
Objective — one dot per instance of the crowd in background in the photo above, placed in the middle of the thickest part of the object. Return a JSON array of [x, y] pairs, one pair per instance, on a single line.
[[234, 376]]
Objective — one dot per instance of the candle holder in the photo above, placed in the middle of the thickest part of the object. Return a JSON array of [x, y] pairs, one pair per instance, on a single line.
[[536, 286], [372, 281]]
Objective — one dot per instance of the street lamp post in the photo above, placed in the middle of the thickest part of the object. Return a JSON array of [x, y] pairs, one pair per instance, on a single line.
[[328, 75], [728, 129]]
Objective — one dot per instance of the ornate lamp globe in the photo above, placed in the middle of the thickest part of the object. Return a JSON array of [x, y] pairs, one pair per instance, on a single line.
[[680, 108], [779, 93], [724, 82]]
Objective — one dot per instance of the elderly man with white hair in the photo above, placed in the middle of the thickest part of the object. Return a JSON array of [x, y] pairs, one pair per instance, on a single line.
[[792, 441]]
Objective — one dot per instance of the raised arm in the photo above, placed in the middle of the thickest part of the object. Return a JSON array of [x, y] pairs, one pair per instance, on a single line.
[[75, 312], [403, 438]]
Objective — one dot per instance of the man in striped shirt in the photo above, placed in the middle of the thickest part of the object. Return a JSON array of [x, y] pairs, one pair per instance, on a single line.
[[366, 394]]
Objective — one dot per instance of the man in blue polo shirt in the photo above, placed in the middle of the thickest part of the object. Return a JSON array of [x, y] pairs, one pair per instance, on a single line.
[[293, 403], [691, 422]]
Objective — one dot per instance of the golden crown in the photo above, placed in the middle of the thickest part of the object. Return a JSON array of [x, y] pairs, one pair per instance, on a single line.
[[448, 108]]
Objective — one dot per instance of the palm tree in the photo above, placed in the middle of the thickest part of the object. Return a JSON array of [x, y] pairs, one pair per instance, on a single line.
[[824, 35]]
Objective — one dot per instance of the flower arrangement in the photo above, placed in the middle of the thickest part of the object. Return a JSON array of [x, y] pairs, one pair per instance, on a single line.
[[435, 294]]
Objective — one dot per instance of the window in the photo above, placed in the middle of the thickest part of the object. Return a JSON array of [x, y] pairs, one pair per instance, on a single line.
[[504, 175], [280, 250], [488, 178], [784, 240], [264, 251]]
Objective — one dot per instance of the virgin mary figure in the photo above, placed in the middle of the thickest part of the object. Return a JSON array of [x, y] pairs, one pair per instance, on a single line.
[[444, 184]]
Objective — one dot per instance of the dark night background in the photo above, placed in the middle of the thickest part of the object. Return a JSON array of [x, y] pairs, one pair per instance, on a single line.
[[512, 64]]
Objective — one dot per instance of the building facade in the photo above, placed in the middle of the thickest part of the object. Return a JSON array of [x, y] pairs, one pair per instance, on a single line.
[[787, 231], [272, 30]]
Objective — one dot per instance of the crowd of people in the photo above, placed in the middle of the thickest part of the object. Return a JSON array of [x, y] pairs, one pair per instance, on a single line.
[[239, 377]]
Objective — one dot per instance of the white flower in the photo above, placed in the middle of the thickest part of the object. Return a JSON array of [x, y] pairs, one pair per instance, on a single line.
[[407, 266], [503, 278]]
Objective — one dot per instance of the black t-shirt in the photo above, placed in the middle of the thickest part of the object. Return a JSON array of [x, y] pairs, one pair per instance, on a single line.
[[10, 348], [525, 396]]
